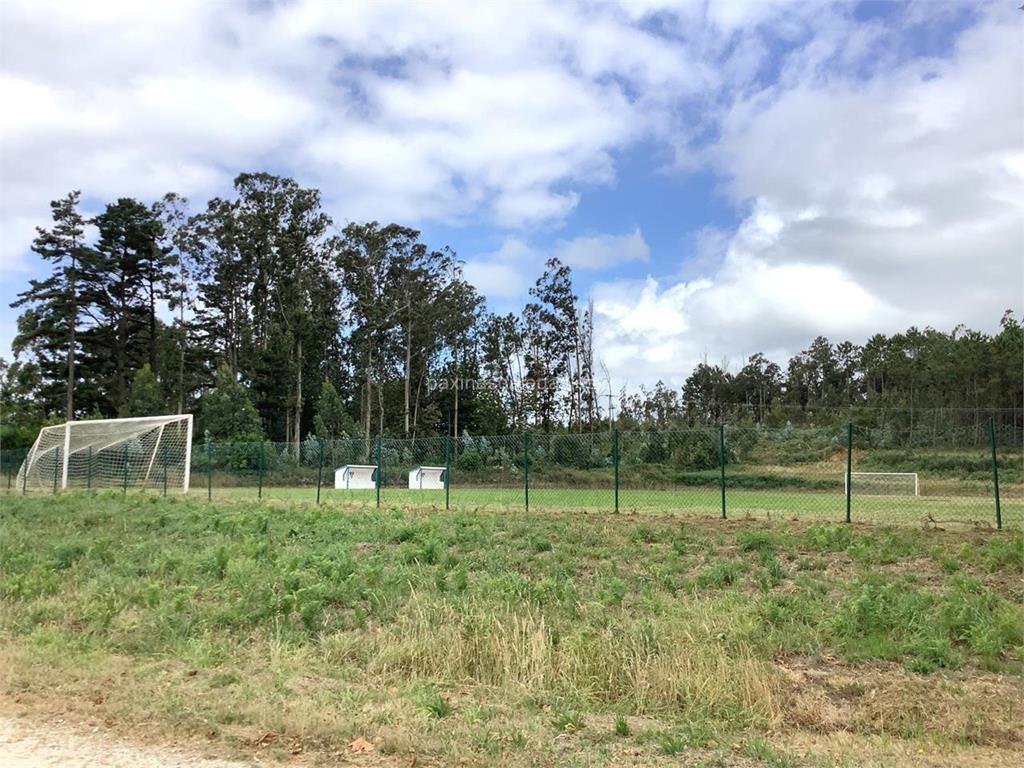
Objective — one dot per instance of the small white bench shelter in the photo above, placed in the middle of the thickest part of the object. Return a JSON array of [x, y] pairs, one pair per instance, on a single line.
[[427, 478], [356, 476]]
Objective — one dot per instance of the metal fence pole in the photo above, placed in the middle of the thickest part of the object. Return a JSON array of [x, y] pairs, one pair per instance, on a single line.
[[995, 473], [260, 468], [447, 468], [849, 468], [209, 470], [721, 464], [124, 472], [615, 466], [380, 471], [319, 471], [526, 470]]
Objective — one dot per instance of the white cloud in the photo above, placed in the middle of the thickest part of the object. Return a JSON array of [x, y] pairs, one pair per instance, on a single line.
[[505, 274], [509, 272], [877, 203], [602, 251], [432, 111], [879, 191]]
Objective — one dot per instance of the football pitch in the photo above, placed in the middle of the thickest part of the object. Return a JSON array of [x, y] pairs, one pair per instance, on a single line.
[[700, 502]]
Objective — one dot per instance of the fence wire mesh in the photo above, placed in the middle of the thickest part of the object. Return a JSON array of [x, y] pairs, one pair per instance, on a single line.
[[914, 475]]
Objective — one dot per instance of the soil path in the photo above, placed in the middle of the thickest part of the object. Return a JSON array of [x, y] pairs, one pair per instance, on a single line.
[[31, 743]]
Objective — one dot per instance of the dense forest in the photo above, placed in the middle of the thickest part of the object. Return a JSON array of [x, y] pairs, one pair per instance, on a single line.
[[262, 317]]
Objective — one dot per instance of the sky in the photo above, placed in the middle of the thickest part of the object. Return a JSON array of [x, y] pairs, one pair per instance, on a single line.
[[723, 177]]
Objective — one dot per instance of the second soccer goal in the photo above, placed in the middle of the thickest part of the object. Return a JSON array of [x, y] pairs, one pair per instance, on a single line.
[[885, 484]]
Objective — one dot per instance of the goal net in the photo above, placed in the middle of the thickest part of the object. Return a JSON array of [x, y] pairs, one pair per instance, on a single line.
[[885, 484], [146, 452]]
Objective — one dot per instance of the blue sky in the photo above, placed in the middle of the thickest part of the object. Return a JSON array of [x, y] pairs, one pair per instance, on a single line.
[[724, 177]]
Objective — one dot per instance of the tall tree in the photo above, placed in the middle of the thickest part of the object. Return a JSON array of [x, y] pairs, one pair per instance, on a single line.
[[121, 286], [372, 258], [269, 294], [51, 333], [182, 361], [552, 328]]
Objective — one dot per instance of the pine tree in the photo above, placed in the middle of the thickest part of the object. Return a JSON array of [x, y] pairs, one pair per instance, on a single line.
[[49, 331], [146, 399], [121, 283], [226, 412]]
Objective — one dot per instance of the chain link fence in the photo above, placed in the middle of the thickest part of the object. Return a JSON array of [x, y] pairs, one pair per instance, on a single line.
[[840, 472]]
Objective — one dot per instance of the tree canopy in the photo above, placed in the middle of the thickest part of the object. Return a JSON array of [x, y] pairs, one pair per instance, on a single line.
[[264, 317]]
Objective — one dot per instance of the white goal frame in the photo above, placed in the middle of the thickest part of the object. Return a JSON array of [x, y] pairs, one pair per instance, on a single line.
[[99, 442], [855, 475]]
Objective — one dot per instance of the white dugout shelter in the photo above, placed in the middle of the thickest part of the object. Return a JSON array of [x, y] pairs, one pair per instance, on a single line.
[[355, 476], [149, 451], [428, 478]]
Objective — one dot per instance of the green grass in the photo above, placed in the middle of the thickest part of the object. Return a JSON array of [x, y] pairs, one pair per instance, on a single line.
[[475, 634], [703, 502]]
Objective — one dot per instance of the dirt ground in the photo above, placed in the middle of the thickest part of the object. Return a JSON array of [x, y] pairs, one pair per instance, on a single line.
[[30, 743], [32, 739]]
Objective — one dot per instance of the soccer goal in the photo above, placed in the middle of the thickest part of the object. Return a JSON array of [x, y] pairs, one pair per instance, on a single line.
[[146, 452], [885, 484]]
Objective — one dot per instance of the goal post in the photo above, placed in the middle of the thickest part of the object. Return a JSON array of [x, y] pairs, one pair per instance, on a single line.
[[141, 452], [884, 483]]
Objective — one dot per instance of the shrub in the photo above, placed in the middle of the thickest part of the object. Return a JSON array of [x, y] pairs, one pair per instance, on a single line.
[[470, 461], [571, 451], [694, 450]]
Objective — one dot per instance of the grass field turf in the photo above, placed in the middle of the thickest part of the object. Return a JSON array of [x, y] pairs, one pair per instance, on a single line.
[[706, 502], [540, 638]]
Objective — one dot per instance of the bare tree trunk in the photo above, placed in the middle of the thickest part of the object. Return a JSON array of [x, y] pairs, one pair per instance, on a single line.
[[181, 358], [408, 362], [69, 410], [416, 407], [455, 415], [152, 327], [369, 396], [297, 420]]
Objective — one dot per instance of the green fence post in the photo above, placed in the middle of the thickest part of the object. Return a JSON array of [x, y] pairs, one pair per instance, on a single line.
[[209, 470], [447, 467], [56, 470], [320, 471], [721, 464], [260, 469], [526, 469], [849, 468], [995, 473], [124, 472], [615, 466], [380, 471], [88, 472]]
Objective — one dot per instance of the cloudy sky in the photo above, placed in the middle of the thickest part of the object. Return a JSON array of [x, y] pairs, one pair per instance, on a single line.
[[723, 177]]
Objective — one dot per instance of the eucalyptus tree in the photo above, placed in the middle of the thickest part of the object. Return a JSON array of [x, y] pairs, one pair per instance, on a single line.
[[554, 350], [502, 354], [373, 259], [269, 292]]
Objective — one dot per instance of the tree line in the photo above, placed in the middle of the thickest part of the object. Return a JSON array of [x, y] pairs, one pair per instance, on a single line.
[[266, 319]]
